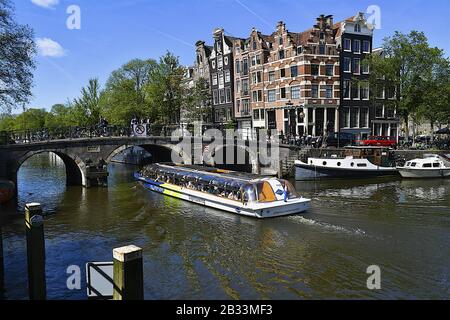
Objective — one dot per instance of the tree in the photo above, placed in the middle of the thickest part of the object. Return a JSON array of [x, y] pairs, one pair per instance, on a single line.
[[406, 65], [165, 89], [435, 105], [198, 101], [31, 119], [60, 116], [17, 49], [124, 96], [87, 108]]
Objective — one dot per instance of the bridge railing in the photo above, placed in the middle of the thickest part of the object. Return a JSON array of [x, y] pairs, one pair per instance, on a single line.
[[90, 132]]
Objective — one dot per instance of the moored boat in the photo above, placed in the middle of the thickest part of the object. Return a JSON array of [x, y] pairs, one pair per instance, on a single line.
[[7, 190], [431, 166], [358, 162], [239, 193]]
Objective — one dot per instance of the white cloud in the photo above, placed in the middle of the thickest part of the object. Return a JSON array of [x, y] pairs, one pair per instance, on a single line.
[[49, 48], [46, 3]]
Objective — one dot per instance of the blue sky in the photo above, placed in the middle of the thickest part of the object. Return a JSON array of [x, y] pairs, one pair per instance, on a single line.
[[114, 32]]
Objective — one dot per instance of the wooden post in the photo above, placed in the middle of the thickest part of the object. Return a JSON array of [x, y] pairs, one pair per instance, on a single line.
[[128, 273], [2, 274], [34, 224], [280, 169]]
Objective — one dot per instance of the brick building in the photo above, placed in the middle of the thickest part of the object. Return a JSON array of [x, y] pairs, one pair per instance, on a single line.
[[307, 83]]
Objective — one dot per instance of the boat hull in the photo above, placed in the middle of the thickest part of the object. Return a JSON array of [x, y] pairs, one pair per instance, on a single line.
[[424, 173], [278, 209], [305, 172]]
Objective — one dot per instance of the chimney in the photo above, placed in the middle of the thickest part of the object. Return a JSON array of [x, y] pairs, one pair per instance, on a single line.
[[329, 20], [217, 33]]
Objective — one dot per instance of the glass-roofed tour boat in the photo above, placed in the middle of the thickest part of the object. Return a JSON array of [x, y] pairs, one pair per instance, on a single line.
[[239, 193]]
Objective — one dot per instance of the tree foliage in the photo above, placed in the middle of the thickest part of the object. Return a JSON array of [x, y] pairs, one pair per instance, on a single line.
[[198, 102], [415, 72], [165, 89], [125, 94], [86, 108], [17, 49]]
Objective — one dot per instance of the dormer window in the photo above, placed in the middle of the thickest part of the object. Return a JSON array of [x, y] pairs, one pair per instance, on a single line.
[[280, 41], [357, 28], [322, 36], [254, 45], [299, 50]]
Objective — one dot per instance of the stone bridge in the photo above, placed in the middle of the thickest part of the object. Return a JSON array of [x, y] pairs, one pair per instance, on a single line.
[[86, 160]]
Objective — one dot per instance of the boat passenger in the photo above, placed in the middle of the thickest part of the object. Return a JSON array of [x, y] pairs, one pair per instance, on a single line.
[[286, 193]]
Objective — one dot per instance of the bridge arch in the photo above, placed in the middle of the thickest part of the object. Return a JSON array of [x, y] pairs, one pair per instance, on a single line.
[[75, 167], [159, 152], [251, 164]]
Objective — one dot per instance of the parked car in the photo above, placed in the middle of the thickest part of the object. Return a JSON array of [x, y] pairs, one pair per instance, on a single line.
[[339, 139], [378, 141]]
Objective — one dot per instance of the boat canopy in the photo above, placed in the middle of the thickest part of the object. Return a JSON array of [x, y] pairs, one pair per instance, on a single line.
[[249, 187]]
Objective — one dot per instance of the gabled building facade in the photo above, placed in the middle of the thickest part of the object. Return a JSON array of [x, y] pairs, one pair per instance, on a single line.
[[354, 37], [222, 73], [300, 82], [200, 70]]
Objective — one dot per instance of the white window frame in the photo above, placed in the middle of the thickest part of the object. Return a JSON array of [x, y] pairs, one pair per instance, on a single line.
[[299, 92], [269, 92], [354, 45], [227, 76], [350, 47], [349, 97], [326, 91], [349, 65], [354, 65], [368, 42]]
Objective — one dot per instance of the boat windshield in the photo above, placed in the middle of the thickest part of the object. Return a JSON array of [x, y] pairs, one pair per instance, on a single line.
[[292, 193]]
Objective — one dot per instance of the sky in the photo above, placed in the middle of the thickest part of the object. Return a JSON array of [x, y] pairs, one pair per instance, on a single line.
[[112, 32]]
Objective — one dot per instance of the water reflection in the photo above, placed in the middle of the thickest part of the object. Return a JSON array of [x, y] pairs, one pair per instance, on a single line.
[[192, 252]]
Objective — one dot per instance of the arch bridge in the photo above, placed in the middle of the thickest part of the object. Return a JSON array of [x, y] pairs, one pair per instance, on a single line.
[[86, 159]]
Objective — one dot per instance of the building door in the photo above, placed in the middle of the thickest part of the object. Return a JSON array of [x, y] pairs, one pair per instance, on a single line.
[[271, 120], [320, 118]]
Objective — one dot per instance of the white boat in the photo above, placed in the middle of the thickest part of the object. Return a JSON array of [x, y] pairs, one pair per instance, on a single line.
[[431, 166], [243, 194], [359, 162]]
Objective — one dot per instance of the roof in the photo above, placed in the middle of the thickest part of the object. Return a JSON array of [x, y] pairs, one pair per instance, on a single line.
[[301, 38]]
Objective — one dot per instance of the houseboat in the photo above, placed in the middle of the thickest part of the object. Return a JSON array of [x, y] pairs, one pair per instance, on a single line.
[[239, 193], [431, 166], [357, 162]]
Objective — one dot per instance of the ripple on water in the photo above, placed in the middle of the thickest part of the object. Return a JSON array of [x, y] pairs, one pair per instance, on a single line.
[[192, 252]]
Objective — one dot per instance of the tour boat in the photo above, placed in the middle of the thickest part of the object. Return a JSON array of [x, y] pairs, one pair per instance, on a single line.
[[239, 193], [358, 162], [431, 166], [7, 190]]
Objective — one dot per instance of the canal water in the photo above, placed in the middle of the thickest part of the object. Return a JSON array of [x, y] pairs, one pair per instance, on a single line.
[[191, 252]]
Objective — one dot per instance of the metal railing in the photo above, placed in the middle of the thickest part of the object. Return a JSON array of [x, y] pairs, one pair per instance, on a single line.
[[71, 133]]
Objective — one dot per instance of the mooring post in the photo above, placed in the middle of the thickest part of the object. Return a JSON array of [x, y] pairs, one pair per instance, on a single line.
[[128, 273], [280, 169], [2, 274], [34, 224]]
